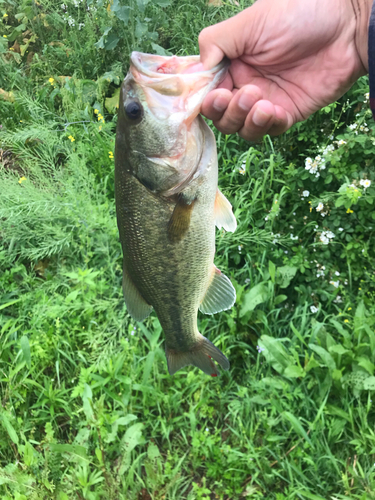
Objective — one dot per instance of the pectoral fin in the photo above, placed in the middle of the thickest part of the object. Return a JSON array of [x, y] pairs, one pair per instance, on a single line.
[[180, 220], [223, 213], [220, 294], [135, 303]]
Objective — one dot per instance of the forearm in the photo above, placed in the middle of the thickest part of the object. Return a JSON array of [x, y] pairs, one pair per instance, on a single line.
[[362, 11]]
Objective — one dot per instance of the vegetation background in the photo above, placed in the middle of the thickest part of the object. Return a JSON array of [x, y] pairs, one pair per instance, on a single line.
[[88, 410]]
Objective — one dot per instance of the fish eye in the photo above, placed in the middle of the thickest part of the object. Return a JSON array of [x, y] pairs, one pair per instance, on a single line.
[[133, 110]]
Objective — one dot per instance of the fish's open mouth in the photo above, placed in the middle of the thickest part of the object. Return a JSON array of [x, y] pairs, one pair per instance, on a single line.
[[155, 66], [175, 84]]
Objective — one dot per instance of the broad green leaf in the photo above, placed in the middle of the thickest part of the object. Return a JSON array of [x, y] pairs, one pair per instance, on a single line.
[[29, 455], [275, 353], [294, 371], [284, 275], [132, 437], [312, 363], [25, 346], [296, 424], [367, 365], [87, 402], [272, 270], [112, 103], [153, 451], [253, 297], [338, 349], [123, 13], [325, 355], [9, 428], [142, 4], [369, 384], [279, 299], [140, 29], [111, 42], [74, 449], [160, 51], [148, 366], [162, 3]]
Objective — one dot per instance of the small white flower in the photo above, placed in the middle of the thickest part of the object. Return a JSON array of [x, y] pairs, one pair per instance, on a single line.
[[334, 283], [306, 193], [341, 229], [353, 126], [314, 309], [320, 207], [365, 183], [247, 280], [341, 142], [337, 273], [266, 218]]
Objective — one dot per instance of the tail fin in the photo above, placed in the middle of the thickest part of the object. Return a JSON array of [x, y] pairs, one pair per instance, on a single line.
[[201, 356]]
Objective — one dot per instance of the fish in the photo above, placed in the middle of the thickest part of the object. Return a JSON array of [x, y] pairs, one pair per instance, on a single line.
[[168, 203]]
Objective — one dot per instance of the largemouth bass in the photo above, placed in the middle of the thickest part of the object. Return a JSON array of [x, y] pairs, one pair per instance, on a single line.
[[168, 203]]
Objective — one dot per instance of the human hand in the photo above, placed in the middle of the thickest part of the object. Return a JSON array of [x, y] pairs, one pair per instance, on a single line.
[[289, 59]]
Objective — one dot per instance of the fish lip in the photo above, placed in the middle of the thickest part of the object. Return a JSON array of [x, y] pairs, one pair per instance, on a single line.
[[136, 61]]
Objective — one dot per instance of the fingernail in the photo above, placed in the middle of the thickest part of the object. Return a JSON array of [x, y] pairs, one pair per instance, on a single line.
[[245, 102], [220, 104], [260, 119]]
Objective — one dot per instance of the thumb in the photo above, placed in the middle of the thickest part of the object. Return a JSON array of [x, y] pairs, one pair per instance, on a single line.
[[227, 38]]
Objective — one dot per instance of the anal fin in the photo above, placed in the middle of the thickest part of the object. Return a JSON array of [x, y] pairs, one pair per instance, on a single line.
[[220, 294], [135, 303], [223, 213], [201, 356]]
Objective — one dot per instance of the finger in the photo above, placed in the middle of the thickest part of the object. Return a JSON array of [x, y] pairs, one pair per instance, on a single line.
[[222, 39], [260, 119], [283, 121], [239, 107], [215, 103]]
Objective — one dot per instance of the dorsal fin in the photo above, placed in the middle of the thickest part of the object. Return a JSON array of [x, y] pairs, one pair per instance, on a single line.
[[223, 213], [220, 294]]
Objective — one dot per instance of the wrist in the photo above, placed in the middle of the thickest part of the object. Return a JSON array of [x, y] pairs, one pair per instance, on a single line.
[[362, 11]]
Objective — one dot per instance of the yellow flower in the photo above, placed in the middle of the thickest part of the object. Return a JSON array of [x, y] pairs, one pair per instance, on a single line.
[[349, 308], [5, 15], [100, 127], [71, 138], [110, 154], [349, 211], [51, 80], [359, 288], [22, 179], [310, 209], [96, 111], [346, 321], [5, 36]]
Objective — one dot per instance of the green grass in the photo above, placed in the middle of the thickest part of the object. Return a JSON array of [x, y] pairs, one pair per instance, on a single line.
[[88, 410]]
